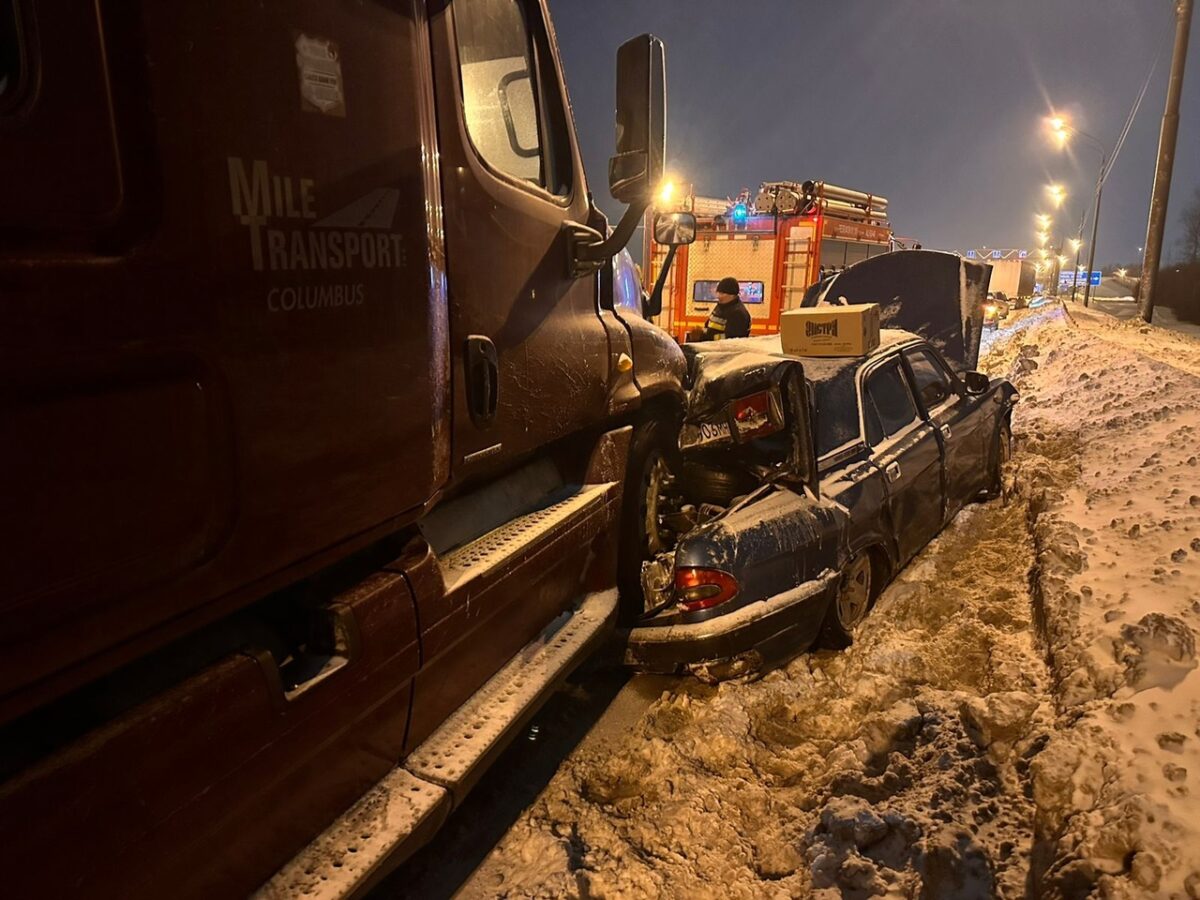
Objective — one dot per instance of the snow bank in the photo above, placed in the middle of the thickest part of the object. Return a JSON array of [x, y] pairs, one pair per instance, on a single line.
[[1108, 454]]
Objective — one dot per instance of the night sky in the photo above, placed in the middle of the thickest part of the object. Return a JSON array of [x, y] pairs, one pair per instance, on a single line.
[[935, 104]]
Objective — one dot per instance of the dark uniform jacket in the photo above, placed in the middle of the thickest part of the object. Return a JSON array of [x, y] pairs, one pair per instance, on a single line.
[[727, 320]]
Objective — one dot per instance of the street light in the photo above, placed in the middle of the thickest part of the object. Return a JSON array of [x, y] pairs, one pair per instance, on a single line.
[[1042, 237], [1121, 273], [665, 192], [1063, 130], [1043, 221], [1075, 243], [1057, 194]]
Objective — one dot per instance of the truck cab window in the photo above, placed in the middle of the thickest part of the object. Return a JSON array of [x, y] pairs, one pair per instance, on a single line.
[[12, 56], [627, 287], [887, 406], [930, 376], [502, 97]]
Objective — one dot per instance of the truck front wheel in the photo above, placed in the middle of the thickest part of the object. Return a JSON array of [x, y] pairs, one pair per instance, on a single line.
[[652, 454]]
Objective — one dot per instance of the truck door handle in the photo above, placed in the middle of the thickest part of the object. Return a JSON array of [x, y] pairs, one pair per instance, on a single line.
[[483, 378], [946, 432], [893, 471]]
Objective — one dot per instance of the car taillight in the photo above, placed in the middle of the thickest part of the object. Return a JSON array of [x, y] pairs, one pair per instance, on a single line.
[[756, 415], [697, 588]]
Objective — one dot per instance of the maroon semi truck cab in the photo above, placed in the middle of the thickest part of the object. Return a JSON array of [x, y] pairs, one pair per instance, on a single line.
[[316, 413]]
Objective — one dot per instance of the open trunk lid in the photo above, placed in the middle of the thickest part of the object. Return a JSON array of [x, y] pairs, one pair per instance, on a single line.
[[938, 295]]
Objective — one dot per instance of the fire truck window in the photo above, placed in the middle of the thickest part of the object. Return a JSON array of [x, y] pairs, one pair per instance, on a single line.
[[12, 57], [930, 377], [888, 405], [499, 86]]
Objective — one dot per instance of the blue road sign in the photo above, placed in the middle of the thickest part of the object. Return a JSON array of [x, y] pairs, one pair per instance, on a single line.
[[1067, 278]]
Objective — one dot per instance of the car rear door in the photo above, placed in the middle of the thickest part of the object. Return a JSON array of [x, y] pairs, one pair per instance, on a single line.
[[961, 425], [906, 448]]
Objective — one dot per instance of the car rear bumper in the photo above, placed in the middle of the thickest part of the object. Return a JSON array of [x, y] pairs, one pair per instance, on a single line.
[[787, 622]]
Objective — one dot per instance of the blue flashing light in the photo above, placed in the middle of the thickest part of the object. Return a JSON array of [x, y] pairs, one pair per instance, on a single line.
[[740, 213]]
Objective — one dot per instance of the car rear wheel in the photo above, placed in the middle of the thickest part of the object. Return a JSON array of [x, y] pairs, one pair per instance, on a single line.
[[1003, 455], [850, 605]]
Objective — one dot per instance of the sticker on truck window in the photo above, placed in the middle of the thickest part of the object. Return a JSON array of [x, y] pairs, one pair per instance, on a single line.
[[320, 69]]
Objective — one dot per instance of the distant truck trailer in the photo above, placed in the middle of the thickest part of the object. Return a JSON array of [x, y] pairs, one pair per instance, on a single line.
[[1014, 278]]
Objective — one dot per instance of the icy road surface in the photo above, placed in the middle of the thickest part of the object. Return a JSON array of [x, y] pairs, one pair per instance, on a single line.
[[1017, 716]]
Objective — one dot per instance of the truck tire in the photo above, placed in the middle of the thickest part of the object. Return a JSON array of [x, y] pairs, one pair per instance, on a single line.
[[652, 454], [850, 605], [713, 485]]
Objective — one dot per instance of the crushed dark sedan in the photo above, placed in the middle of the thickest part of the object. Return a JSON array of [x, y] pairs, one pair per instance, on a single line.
[[801, 485]]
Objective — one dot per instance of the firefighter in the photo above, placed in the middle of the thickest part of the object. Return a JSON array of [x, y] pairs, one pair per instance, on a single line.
[[729, 318]]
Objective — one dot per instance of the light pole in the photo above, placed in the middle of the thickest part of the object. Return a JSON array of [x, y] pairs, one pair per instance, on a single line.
[[1064, 131]]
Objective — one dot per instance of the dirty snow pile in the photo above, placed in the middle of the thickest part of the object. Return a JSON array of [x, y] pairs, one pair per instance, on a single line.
[[1017, 716]]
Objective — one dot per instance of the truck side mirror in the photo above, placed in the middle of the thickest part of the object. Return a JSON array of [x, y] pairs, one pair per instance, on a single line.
[[674, 229], [641, 119]]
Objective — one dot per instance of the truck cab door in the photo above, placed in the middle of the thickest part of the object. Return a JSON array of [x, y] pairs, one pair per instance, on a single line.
[[906, 448], [529, 353]]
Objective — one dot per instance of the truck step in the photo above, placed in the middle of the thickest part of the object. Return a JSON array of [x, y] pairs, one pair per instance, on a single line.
[[506, 542], [356, 849], [462, 746], [409, 804]]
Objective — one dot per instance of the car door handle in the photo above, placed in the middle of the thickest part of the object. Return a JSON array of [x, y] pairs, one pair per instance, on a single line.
[[893, 471], [483, 378], [946, 432]]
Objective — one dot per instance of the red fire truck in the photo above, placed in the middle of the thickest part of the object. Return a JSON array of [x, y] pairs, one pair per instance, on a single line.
[[776, 242]]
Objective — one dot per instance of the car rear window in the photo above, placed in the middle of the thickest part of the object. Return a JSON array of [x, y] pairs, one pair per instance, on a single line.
[[888, 406], [837, 411]]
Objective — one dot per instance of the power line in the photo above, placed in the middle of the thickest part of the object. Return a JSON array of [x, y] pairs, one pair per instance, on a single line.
[[1133, 110]]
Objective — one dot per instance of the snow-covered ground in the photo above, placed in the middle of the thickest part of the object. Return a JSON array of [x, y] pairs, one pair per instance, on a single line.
[[1017, 716]]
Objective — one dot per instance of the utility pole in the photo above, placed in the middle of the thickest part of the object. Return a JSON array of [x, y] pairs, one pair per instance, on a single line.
[[1087, 285], [1166, 161]]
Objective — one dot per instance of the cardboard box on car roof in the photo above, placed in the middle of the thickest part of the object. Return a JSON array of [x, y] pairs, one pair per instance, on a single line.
[[851, 330]]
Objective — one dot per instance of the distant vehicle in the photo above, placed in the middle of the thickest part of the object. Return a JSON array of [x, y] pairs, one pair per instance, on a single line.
[[996, 309], [1015, 278], [801, 501]]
